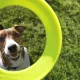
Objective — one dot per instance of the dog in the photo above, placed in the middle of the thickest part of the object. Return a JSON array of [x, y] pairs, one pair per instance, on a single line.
[[13, 56]]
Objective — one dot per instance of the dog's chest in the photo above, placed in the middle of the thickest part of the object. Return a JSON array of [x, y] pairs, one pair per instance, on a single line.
[[18, 62], [25, 64]]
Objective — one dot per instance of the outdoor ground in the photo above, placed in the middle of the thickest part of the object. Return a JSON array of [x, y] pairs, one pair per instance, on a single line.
[[68, 64], [68, 13], [34, 36]]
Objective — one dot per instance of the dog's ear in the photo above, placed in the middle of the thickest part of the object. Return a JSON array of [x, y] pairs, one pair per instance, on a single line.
[[1, 27], [20, 29]]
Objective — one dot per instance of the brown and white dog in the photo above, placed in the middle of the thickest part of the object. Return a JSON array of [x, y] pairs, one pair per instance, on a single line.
[[13, 56]]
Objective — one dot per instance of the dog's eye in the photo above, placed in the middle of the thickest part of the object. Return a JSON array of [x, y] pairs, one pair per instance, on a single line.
[[15, 34], [2, 39]]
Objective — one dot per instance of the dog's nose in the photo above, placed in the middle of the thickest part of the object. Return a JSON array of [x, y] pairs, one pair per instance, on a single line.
[[12, 48]]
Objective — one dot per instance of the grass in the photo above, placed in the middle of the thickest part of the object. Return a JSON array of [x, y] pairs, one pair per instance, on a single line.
[[68, 64], [68, 13], [34, 36]]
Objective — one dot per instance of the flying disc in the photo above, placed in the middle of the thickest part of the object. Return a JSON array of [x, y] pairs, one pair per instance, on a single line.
[[53, 41]]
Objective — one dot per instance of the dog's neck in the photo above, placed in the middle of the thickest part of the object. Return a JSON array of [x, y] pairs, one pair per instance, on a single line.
[[7, 61]]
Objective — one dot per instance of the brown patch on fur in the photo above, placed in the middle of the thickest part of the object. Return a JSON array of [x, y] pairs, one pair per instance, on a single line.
[[3, 35], [5, 60], [11, 32], [20, 29]]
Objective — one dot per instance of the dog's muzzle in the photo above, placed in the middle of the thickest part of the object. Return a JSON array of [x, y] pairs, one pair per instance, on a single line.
[[10, 57]]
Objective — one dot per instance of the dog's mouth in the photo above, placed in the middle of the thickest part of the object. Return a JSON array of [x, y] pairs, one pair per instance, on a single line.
[[14, 55]]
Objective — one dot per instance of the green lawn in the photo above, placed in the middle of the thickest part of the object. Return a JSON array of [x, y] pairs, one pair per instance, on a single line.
[[68, 13], [34, 36], [68, 64]]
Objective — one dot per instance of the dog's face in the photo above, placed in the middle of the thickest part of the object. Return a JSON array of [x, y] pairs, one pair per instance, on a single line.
[[10, 40]]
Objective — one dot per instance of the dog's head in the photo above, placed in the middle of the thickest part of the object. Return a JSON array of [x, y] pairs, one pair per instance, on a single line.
[[10, 40]]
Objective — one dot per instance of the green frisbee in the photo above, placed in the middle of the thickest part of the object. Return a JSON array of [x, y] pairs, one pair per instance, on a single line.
[[53, 41]]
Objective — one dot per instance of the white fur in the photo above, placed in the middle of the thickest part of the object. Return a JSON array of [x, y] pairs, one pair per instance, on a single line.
[[21, 63], [1, 64], [10, 42]]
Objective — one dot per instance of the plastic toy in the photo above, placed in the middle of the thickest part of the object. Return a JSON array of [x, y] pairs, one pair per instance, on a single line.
[[53, 41]]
